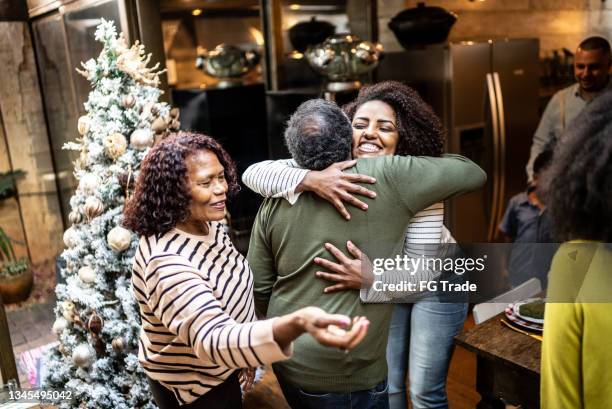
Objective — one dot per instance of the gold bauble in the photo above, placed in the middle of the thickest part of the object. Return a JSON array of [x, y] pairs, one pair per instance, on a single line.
[[70, 237], [68, 311], [159, 124], [75, 216], [119, 238], [115, 145], [83, 125], [93, 207], [82, 355], [89, 183], [60, 325], [128, 101], [141, 139], [87, 274], [95, 323], [118, 344]]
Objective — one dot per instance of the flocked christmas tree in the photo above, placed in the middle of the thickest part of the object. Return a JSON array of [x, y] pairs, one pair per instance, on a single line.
[[98, 322]]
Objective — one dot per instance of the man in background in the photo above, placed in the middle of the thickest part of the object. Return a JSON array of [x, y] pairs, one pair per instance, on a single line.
[[592, 63]]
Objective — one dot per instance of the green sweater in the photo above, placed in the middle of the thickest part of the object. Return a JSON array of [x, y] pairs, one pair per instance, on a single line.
[[577, 352], [285, 240]]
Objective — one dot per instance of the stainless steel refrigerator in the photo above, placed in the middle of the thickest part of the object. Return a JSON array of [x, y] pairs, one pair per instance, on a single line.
[[487, 95]]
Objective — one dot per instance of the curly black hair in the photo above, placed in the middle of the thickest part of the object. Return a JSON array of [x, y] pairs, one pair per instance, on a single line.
[[421, 132], [578, 184], [161, 196]]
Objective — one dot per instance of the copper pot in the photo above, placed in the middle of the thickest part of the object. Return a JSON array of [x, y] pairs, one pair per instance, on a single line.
[[17, 288]]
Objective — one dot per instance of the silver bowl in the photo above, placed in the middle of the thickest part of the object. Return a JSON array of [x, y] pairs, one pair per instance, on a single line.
[[227, 62], [342, 58]]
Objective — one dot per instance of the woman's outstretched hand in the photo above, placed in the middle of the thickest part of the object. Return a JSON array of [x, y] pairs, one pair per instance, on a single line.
[[332, 330], [348, 273], [246, 378], [337, 187]]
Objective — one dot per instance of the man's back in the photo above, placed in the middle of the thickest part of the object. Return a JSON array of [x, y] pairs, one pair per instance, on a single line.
[[287, 238]]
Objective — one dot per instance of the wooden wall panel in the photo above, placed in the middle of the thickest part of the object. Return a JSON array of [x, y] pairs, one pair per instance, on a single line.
[[27, 141]]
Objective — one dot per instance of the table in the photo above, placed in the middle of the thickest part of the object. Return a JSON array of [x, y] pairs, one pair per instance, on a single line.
[[507, 364]]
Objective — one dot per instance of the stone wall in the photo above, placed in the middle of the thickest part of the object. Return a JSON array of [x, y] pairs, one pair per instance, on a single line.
[[557, 23]]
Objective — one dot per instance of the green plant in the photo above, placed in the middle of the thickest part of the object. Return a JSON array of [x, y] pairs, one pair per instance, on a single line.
[[9, 264], [7, 182]]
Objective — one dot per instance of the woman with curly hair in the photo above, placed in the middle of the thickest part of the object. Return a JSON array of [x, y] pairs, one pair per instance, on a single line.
[[194, 289], [576, 353], [388, 118]]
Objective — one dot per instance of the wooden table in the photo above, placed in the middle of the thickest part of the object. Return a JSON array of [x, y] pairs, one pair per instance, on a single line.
[[507, 364]]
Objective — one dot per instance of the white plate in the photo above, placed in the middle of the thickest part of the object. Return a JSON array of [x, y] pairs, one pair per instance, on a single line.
[[516, 308]]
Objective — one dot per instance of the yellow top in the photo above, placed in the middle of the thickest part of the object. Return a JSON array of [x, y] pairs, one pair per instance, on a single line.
[[577, 348]]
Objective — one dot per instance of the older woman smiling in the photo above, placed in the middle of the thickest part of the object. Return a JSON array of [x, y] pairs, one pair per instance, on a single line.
[[195, 290]]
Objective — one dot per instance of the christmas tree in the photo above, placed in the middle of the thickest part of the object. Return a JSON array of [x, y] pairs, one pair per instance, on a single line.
[[98, 321]]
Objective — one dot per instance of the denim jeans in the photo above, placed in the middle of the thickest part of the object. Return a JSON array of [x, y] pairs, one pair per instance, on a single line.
[[375, 398], [421, 345]]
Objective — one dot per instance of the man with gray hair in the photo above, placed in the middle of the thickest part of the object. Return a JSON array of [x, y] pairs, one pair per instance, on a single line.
[[318, 134], [286, 239]]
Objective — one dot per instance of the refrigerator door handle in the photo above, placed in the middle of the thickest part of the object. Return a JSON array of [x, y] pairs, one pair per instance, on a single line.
[[502, 147], [491, 95]]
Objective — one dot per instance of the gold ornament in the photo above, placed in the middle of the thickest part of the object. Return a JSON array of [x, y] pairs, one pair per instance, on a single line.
[[87, 274], [68, 310], [128, 101], [59, 325], [95, 324], [133, 61], [119, 238], [83, 125], [89, 183], [75, 216], [141, 139], [93, 207], [70, 237], [159, 125], [115, 145], [118, 344], [82, 355]]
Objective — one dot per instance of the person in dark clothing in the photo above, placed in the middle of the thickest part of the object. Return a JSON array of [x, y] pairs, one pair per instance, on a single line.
[[527, 224]]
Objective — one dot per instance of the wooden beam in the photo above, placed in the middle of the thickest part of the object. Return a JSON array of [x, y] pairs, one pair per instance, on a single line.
[[273, 35], [8, 369]]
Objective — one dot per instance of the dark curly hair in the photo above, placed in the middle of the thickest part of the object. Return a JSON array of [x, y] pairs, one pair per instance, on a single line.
[[578, 184], [420, 131], [161, 197]]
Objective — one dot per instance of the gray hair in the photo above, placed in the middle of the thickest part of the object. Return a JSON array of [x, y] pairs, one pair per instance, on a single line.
[[319, 134]]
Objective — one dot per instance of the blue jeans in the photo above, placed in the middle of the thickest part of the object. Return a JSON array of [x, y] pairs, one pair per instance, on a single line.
[[375, 398], [421, 345]]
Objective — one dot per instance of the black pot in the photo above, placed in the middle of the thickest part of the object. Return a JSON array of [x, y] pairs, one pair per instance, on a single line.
[[422, 25], [307, 33]]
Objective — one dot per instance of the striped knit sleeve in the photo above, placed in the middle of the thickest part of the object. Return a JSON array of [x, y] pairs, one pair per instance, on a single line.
[[184, 302], [277, 178], [423, 236]]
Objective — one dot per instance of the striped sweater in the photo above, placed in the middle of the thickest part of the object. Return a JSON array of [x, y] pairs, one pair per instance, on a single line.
[[198, 317]]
